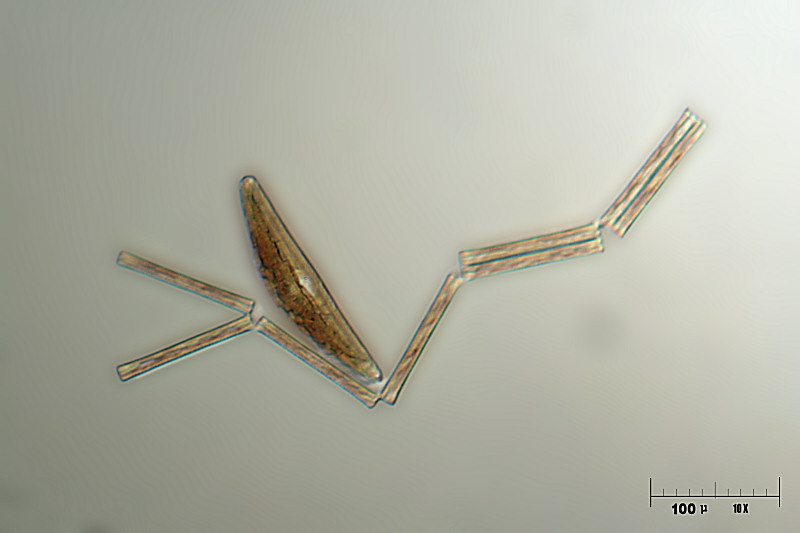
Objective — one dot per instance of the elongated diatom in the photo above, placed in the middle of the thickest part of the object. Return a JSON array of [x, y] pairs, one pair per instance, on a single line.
[[567, 244], [645, 184], [182, 281], [270, 330], [426, 328], [184, 348], [296, 286]]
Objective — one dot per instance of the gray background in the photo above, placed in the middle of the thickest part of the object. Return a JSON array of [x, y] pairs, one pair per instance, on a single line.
[[392, 135]]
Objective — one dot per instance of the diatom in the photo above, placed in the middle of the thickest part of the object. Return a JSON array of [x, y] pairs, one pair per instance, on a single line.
[[567, 244], [645, 184], [424, 332], [179, 350], [298, 289], [296, 286], [286, 341]]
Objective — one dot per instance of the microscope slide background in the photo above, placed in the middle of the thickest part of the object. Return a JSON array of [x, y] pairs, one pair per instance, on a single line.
[[390, 136]]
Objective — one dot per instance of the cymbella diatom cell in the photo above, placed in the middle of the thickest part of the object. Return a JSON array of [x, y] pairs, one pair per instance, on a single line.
[[296, 286]]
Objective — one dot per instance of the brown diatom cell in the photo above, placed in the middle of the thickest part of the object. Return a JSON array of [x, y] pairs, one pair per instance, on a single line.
[[295, 285]]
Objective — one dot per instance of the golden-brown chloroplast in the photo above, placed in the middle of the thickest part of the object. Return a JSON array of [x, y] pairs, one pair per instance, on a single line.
[[296, 286]]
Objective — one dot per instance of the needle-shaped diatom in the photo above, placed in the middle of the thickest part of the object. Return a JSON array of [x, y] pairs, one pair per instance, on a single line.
[[296, 286]]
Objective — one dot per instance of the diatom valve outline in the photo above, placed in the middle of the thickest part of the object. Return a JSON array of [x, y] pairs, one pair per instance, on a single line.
[[335, 349]]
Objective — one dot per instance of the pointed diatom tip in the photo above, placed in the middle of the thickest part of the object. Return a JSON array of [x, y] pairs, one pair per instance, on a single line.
[[248, 182], [250, 191], [373, 372]]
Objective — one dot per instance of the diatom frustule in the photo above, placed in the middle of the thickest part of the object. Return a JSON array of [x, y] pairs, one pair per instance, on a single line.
[[295, 284]]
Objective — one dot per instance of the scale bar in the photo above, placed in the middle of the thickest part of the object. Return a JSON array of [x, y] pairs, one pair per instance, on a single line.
[[715, 496], [744, 496]]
